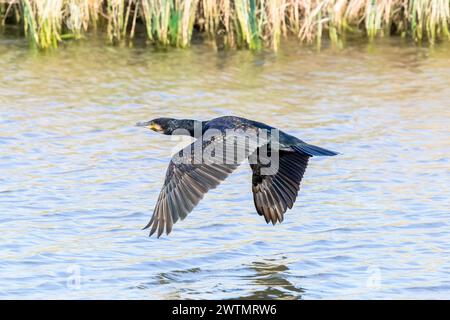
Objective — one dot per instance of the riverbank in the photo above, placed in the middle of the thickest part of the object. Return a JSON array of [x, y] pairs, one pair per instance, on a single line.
[[252, 24]]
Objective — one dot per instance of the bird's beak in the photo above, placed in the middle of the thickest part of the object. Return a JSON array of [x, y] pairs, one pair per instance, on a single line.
[[151, 125], [143, 124]]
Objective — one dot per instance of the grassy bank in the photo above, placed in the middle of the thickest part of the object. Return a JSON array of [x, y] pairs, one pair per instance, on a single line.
[[249, 24]]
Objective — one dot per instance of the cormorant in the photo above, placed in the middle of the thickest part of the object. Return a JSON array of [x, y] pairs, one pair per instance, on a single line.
[[192, 171]]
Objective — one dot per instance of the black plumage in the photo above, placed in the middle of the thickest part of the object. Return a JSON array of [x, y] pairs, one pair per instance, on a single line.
[[194, 170], [274, 194]]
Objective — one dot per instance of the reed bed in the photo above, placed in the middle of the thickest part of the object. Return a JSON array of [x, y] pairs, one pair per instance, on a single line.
[[252, 24]]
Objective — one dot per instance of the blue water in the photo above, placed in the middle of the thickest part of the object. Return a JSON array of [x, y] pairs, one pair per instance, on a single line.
[[78, 180]]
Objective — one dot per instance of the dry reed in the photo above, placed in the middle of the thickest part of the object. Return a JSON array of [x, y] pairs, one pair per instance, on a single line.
[[231, 23]]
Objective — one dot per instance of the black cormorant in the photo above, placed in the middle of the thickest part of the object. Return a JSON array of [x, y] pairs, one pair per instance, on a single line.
[[191, 173]]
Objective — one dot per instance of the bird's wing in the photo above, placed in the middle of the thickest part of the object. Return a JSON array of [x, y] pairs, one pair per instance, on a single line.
[[190, 175], [273, 194]]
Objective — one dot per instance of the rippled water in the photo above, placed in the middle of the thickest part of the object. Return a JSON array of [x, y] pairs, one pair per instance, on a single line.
[[78, 180]]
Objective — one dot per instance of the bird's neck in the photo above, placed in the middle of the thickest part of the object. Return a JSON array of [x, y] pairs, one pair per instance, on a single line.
[[193, 128]]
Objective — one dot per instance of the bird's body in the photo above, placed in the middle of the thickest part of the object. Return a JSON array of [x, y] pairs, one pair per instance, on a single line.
[[278, 161], [287, 142]]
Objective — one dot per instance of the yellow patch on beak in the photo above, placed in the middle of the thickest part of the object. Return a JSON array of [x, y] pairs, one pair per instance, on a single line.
[[155, 127]]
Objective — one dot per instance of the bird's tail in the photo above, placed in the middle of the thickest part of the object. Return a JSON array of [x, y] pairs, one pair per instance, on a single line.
[[311, 150]]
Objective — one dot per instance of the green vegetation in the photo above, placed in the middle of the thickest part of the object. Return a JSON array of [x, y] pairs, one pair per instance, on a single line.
[[250, 24]]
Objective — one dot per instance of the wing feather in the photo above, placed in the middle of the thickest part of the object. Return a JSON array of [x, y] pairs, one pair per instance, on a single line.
[[274, 194], [187, 181]]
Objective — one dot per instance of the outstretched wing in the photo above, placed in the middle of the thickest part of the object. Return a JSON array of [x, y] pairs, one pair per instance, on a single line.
[[273, 194], [192, 173]]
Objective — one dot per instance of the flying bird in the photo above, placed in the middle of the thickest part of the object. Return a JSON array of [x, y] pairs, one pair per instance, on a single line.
[[278, 161]]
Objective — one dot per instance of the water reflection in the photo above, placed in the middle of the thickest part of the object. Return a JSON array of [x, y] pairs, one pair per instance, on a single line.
[[264, 279], [272, 283]]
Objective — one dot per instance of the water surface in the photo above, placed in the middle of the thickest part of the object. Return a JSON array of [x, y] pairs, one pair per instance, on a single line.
[[78, 181]]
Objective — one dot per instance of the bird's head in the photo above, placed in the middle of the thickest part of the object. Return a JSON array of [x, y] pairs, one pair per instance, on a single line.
[[171, 126], [161, 125]]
